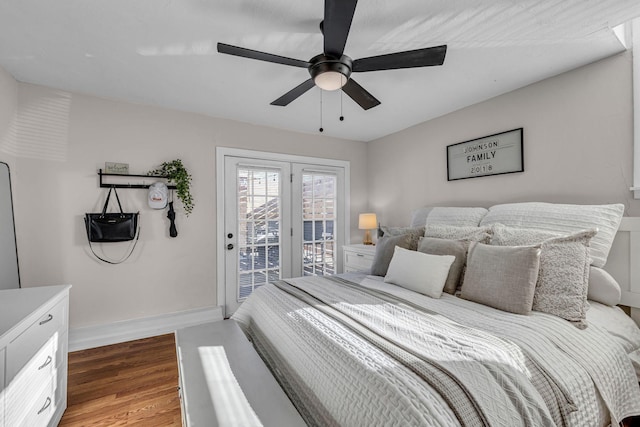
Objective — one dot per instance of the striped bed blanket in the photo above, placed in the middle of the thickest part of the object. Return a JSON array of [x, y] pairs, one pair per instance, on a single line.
[[362, 352]]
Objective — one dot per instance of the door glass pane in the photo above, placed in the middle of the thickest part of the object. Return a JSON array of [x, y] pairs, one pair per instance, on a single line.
[[318, 205], [259, 228]]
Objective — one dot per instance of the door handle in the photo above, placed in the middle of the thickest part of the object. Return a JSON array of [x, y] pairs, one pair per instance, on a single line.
[[230, 246]]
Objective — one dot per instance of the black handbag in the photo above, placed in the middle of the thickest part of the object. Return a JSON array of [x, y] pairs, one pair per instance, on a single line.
[[112, 227]]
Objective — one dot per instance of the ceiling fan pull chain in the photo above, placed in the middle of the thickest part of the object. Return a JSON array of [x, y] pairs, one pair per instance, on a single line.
[[341, 115], [321, 129]]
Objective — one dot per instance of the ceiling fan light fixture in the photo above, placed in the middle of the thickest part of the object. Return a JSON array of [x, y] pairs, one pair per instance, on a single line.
[[330, 73], [330, 80]]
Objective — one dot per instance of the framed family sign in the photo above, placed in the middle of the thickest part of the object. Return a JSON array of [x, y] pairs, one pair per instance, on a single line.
[[490, 155]]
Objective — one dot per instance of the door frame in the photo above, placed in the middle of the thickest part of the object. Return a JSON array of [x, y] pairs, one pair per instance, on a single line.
[[221, 153]]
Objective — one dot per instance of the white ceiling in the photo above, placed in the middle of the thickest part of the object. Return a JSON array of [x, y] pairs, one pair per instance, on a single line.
[[163, 52]]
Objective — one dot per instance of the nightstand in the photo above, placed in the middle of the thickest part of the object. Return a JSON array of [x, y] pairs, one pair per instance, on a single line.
[[358, 257]]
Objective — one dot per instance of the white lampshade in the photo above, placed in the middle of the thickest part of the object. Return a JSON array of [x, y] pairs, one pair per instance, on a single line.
[[367, 221], [330, 80]]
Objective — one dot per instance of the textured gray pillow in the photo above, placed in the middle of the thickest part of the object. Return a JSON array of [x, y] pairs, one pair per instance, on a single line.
[[452, 232], [503, 277], [564, 277], [415, 233], [457, 248], [564, 269], [384, 252], [603, 288]]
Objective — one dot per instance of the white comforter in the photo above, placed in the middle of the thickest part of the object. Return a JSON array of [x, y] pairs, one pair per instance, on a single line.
[[518, 370]]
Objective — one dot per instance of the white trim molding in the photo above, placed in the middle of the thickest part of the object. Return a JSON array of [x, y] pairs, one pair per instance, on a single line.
[[622, 264], [127, 330], [635, 70], [221, 153]]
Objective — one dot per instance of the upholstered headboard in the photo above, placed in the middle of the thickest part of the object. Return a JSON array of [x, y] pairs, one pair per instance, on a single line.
[[624, 263]]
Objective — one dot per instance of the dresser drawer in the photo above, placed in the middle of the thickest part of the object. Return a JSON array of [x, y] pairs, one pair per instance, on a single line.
[[30, 380], [357, 261], [50, 325], [37, 410]]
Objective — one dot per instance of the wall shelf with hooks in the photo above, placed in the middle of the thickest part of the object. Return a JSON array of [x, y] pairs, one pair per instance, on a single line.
[[129, 185]]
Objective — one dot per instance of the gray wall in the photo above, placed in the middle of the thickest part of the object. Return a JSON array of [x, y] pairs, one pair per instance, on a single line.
[[578, 137], [63, 138]]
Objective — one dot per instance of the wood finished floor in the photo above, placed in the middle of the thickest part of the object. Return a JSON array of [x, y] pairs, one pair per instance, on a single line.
[[129, 384]]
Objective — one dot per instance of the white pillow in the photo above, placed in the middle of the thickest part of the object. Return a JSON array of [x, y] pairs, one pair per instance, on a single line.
[[419, 272], [459, 216], [603, 288], [563, 219]]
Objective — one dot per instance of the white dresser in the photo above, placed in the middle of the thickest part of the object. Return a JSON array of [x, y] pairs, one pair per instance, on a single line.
[[34, 325], [358, 257]]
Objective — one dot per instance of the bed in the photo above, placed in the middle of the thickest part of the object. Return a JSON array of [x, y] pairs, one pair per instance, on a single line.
[[386, 349]]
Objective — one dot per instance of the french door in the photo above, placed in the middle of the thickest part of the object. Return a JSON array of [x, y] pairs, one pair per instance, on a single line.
[[281, 219]]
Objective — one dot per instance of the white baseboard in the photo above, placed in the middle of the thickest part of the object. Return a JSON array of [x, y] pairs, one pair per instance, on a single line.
[[127, 330]]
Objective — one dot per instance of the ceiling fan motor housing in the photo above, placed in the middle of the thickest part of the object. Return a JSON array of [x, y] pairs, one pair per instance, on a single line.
[[321, 64]]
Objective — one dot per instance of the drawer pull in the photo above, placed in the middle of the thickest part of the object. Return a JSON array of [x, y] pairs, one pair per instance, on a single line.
[[46, 362], [360, 255], [46, 405], [47, 320]]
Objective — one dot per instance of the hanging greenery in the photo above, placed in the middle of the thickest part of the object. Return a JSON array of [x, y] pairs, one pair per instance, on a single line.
[[178, 174]]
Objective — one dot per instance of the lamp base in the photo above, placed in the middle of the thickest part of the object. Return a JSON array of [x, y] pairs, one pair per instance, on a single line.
[[367, 238]]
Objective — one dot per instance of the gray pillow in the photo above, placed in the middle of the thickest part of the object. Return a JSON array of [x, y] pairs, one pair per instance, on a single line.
[[415, 233], [514, 236], [457, 248], [502, 277], [384, 252]]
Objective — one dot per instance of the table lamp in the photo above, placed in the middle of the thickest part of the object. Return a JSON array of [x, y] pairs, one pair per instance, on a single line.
[[367, 222]]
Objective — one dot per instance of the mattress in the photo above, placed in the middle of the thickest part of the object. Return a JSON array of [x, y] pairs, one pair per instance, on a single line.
[[349, 354]]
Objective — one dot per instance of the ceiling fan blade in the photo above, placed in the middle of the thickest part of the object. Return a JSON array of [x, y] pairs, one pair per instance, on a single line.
[[294, 93], [338, 15], [262, 56], [408, 59], [360, 95]]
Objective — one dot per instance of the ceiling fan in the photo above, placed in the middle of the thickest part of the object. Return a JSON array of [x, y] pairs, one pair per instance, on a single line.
[[331, 70]]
